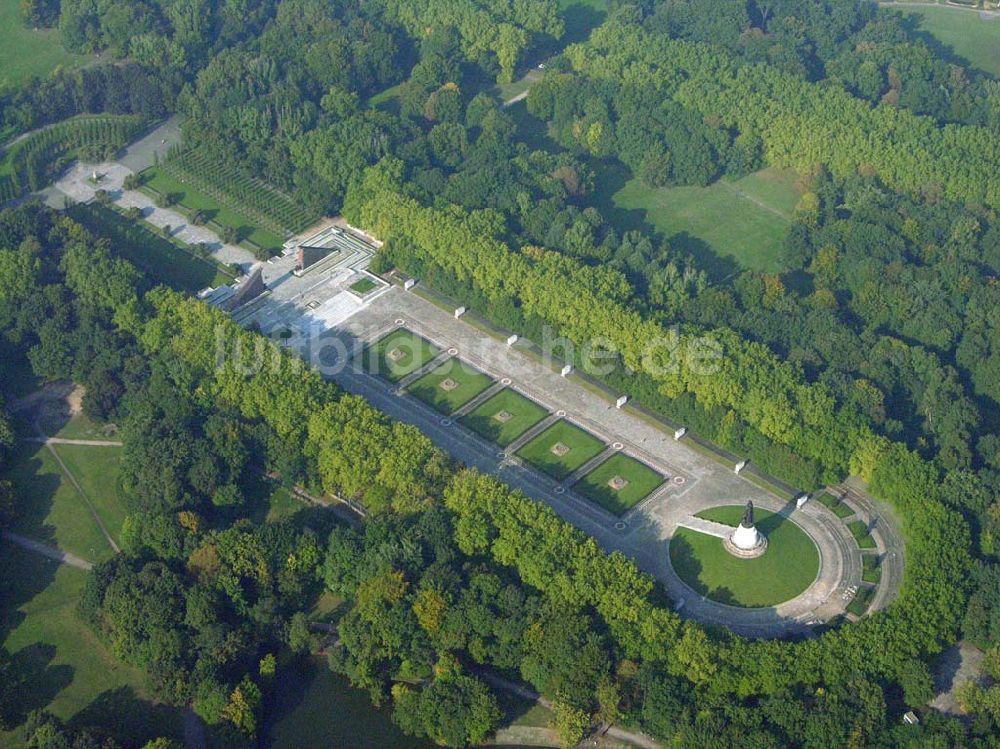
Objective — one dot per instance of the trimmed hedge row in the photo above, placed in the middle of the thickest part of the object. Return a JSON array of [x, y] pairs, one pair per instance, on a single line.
[[29, 164]]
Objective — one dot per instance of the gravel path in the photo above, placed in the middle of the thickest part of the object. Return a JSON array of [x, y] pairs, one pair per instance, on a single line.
[[63, 557]]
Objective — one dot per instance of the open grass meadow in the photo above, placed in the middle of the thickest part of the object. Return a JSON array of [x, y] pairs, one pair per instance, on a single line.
[[193, 200], [504, 417], [786, 569], [25, 52], [398, 354], [576, 445], [742, 222], [450, 386], [65, 667], [161, 259], [598, 485], [962, 32], [96, 470], [52, 511]]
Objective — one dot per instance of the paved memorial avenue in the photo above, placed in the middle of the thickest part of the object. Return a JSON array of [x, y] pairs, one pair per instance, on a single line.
[[318, 314]]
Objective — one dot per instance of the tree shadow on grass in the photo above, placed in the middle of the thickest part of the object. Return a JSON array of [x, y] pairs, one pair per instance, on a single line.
[[34, 683], [610, 176], [767, 525], [130, 719], [579, 20], [718, 267], [914, 24], [687, 566]]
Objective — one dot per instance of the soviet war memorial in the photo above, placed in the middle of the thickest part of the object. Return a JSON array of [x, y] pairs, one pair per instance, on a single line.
[[560, 373]]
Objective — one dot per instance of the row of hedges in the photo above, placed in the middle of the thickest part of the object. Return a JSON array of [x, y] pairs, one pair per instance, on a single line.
[[30, 163], [268, 207]]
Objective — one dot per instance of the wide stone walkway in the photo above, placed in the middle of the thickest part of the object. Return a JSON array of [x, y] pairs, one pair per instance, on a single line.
[[76, 184], [708, 527]]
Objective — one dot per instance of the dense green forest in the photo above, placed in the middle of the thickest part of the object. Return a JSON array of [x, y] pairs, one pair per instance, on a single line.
[[876, 353]]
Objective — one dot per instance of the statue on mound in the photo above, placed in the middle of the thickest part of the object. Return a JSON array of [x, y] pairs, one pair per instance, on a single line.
[[746, 541]]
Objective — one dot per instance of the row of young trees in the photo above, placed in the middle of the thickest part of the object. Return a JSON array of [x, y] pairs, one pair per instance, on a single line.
[[119, 89], [32, 161]]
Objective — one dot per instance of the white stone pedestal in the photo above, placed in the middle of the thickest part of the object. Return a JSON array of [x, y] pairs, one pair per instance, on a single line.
[[746, 542]]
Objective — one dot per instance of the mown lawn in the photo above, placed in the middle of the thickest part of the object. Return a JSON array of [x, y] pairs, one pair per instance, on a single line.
[[193, 200], [786, 569], [411, 353], [582, 447], [25, 52], [96, 470], [450, 386], [524, 414], [744, 221], [642, 481], [838, 508], [81, 427], [282, 504], [67, 669], [862, 600], [51, 510], [363, 286], [872, 570], [966, 34]]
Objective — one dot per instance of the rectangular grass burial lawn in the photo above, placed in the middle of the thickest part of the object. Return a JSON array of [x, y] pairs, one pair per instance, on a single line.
[[872, 568], [859, 529], [835, 506], [450, 386], [399, 354], [504, 417], [193, 200], [561, 449], [363, 286], [619, 483], [862, 599]]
